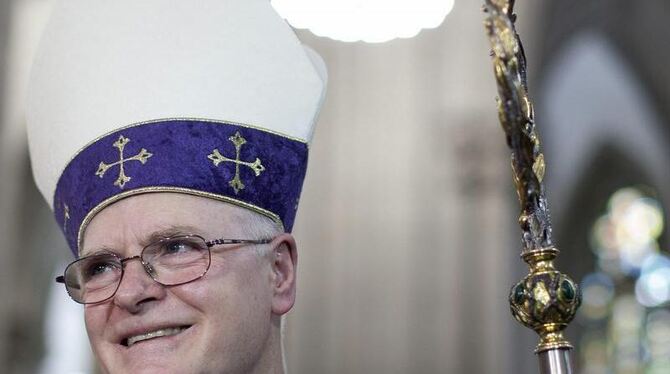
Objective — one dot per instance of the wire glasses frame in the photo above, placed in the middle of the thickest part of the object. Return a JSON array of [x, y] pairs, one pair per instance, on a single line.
[[170, 261]]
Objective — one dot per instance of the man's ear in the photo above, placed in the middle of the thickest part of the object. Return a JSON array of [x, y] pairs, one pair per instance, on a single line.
[[284, 261]]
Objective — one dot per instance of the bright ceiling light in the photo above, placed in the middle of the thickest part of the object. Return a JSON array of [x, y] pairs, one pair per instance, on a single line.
[[372, 21]]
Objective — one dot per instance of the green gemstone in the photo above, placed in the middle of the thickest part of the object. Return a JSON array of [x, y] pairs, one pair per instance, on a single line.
[[518, 293], [567, 290]]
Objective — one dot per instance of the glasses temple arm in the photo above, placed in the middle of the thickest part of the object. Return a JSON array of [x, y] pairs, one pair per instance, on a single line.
[[237, 241]]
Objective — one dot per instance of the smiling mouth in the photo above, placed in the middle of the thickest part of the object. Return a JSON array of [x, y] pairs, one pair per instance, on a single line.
[[130, 341]]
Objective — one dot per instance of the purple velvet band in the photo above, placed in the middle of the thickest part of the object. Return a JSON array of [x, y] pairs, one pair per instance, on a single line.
[[191, 155]]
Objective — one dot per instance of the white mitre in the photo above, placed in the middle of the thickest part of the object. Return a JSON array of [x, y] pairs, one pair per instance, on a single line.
[[140, 84]]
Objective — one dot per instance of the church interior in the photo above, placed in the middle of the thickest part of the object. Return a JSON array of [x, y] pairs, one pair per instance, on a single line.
[[407, 231]]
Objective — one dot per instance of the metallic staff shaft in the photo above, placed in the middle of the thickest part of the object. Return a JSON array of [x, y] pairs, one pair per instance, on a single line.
[[546, 300]]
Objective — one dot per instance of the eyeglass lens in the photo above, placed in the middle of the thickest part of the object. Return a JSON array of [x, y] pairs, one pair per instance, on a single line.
[[169, 261]]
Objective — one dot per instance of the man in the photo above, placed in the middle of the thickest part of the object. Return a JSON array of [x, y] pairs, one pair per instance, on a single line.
[[170, 139]]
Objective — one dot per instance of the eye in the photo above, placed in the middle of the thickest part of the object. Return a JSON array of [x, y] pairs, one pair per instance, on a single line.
[[177, 246], [175, 250], [182, 246], [97, 268]]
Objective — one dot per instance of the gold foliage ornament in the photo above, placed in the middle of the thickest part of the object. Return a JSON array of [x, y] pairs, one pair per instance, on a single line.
[[546, 300]]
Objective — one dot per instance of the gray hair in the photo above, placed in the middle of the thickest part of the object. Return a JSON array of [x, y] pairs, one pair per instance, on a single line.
[[258, 226]]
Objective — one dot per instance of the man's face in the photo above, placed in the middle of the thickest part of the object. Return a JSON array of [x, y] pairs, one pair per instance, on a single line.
[[225, 322]]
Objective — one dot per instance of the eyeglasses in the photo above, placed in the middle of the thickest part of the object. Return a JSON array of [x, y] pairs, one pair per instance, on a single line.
[[169, 261]]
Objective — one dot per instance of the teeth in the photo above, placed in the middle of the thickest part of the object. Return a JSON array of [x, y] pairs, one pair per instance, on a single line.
[[155, 334]]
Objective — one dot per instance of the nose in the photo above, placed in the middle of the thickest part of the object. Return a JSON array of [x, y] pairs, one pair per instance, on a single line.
[[137, 291]]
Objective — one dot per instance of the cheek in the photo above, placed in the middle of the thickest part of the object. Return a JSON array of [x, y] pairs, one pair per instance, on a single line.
[[229, 291], [95, 318]]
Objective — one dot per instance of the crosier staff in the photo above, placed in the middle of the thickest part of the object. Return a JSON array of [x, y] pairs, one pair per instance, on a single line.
[[546, 300]]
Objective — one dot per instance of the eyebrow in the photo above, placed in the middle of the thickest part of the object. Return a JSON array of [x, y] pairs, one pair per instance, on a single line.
[[166, 232], [169, 232]]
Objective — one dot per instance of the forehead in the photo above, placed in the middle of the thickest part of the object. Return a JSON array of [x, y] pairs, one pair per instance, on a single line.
[[132, 220]]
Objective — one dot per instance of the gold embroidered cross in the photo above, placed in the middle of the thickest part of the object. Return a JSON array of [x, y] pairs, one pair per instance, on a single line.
[[121, 181], [217, 158]]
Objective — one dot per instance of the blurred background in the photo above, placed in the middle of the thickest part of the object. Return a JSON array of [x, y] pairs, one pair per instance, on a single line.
[[407, 229]]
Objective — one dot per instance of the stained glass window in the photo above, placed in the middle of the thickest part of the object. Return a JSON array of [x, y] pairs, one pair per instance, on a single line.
[[624, 317]]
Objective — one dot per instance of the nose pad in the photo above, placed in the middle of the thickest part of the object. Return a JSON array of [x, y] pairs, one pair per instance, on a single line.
[[137, 288], [150, 269], [145, 267]]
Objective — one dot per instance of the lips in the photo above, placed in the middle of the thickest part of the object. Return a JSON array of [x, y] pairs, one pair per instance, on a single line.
[[152, 334]]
